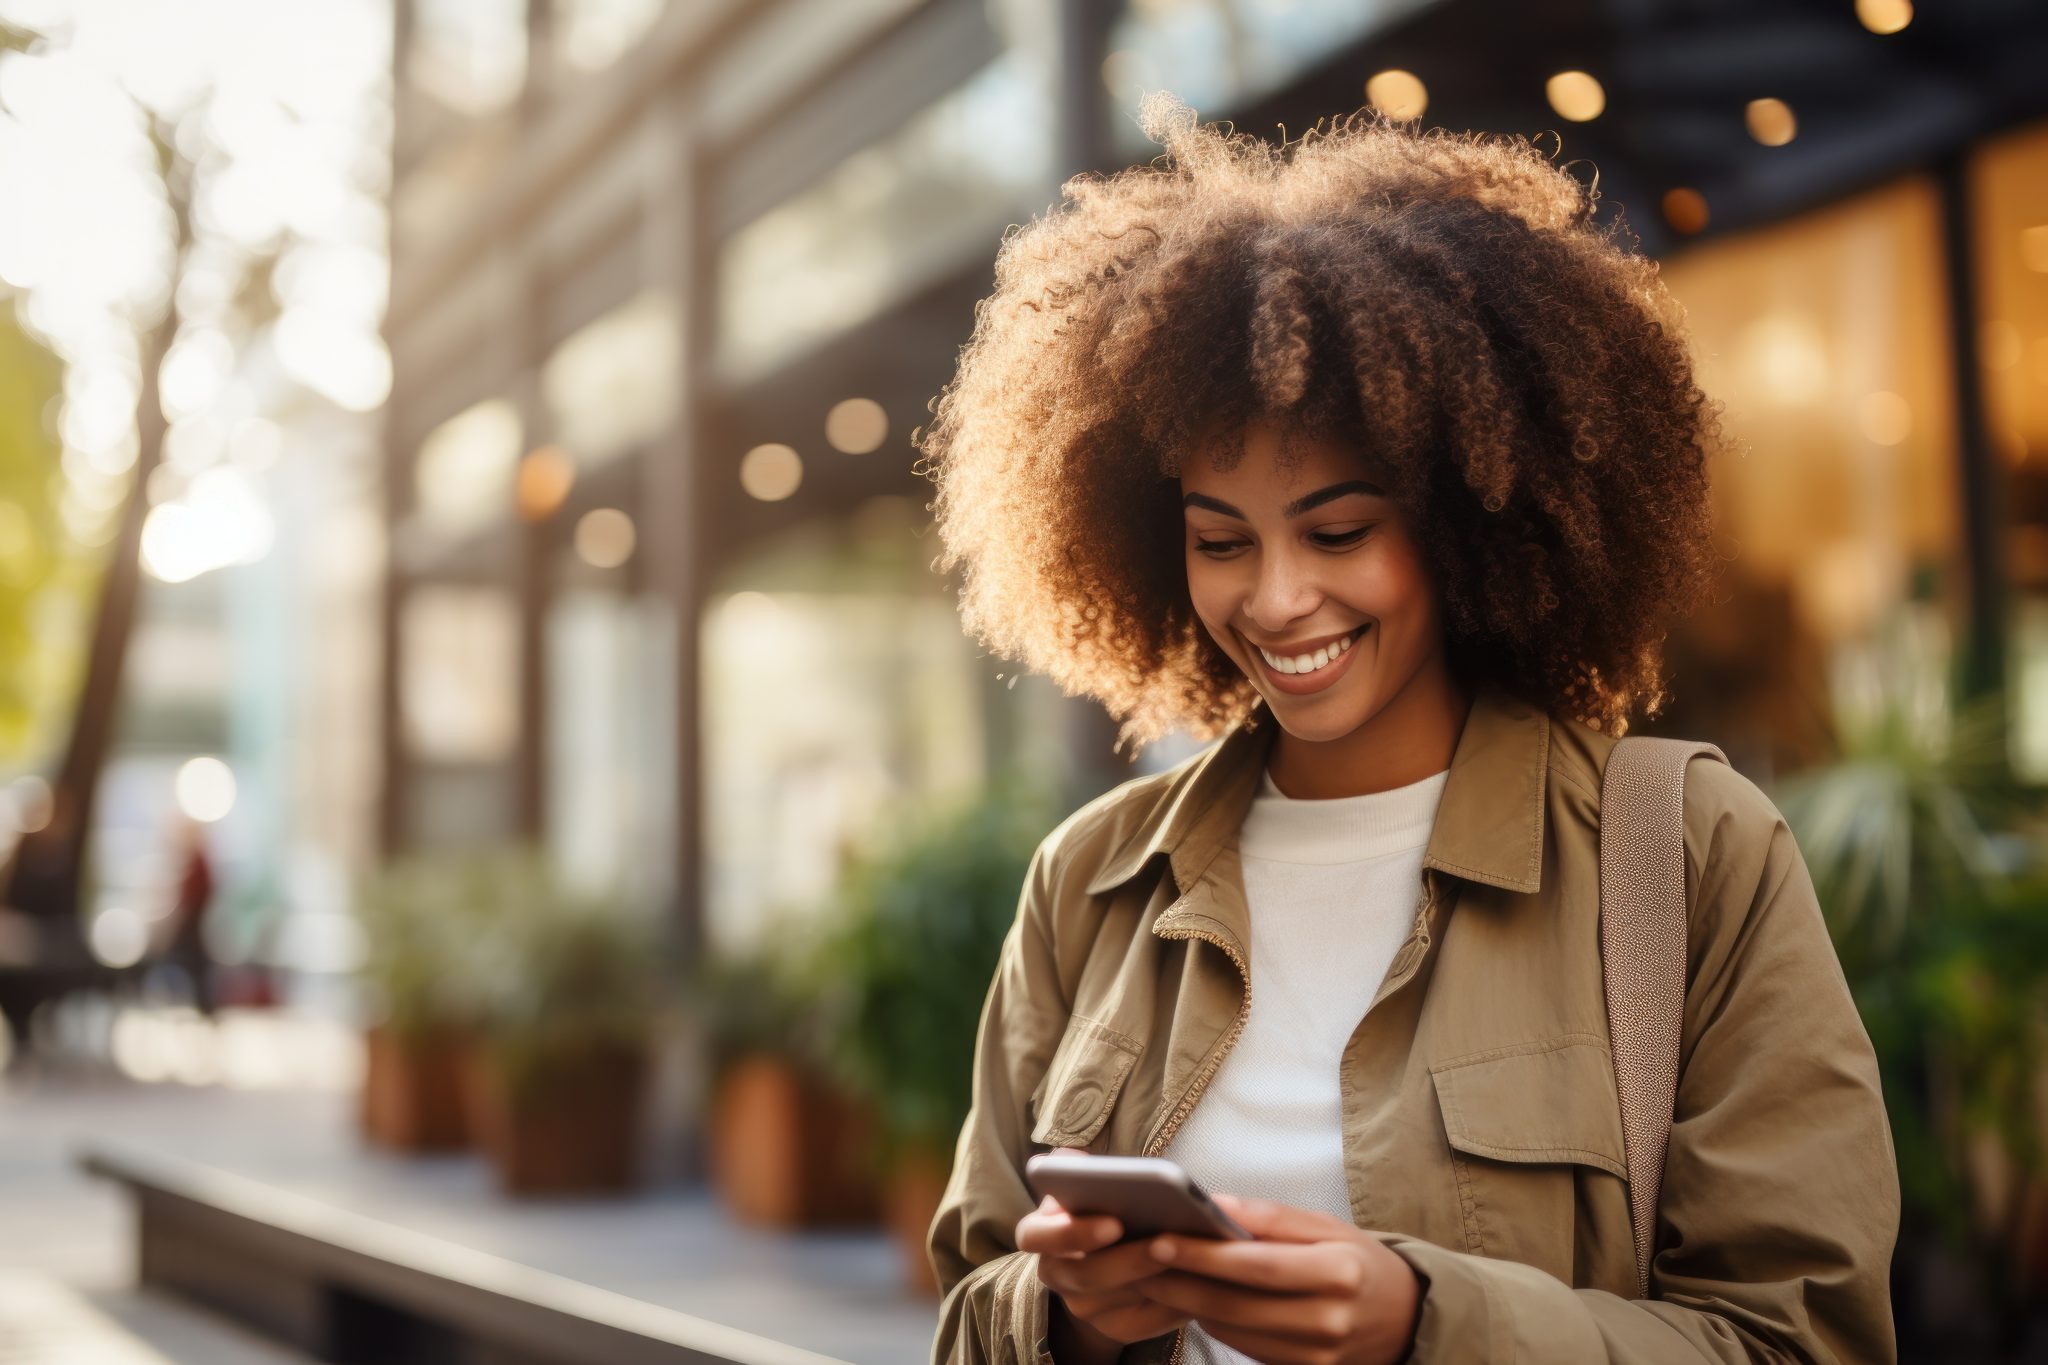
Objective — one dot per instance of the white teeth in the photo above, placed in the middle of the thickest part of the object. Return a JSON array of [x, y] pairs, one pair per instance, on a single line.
[[1309, 663]]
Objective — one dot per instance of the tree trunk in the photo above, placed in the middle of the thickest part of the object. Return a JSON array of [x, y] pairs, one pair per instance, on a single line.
[[47, 871]]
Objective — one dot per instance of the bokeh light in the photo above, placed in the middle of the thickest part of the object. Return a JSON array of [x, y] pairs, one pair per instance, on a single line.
[[605, 538], [1685, 209], [119, 937], [856, 426], [31, 802], [1785, 356], [205, 789], [1575, 95], [216, 521], [1884, 16], [1398, 94], [1884, 418], [771, 472], [1770, 122], [545, 477]]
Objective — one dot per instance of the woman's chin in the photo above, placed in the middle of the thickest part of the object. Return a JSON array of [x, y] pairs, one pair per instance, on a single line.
[[1319, 718]]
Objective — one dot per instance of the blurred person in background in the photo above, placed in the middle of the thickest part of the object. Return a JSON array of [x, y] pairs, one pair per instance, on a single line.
[[1375, 457], [191, 894]]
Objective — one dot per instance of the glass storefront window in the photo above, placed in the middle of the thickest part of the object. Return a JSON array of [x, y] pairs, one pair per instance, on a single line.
[[1221, 54], [927, 200], [2009, 184], [613, 383], [1827, 340], [433, 196], [462, 480], [611, 742], [469, 54], [589, 35], [458, 689], [834, 691]]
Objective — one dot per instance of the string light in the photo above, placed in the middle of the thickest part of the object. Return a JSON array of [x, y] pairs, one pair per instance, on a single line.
[[1685, 209], [856, 426], [1398, 94], [1575, 96], [1770, 122], [545, 477], [771, 472], [1884, 16]]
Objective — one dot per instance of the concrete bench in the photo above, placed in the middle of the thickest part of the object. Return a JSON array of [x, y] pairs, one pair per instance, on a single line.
[[347, 1288]]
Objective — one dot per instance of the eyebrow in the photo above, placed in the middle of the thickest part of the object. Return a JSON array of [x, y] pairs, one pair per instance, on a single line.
[[1304, 503]]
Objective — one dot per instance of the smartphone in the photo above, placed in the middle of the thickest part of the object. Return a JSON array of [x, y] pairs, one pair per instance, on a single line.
[[1148, 1194]]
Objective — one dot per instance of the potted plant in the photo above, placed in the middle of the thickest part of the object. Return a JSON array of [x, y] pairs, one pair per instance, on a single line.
[[418, 917], [1931, 865], [906, 970], [789, 1142], [573, 987]]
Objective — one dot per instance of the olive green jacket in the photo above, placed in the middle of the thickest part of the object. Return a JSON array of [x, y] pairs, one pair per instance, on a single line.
[[1482, 1134]]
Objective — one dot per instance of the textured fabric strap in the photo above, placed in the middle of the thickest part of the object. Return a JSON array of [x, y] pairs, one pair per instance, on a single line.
[[1642, 955]]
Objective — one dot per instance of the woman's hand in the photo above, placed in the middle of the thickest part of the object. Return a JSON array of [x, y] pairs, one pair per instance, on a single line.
[[1095, 1280], [1311, 1290]]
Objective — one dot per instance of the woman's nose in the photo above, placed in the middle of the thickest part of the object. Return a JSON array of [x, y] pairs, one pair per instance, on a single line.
[[1284, 591]]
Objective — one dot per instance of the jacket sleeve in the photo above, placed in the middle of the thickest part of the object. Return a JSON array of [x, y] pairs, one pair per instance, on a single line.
[[994, 1310], [1780, 1200]]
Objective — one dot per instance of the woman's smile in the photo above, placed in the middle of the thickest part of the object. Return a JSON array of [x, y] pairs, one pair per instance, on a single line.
[[1300, 673]]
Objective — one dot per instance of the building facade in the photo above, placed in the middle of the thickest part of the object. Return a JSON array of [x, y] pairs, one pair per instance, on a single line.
[[673, 284]]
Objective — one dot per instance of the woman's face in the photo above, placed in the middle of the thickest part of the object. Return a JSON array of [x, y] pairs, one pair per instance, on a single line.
[[1309, 581]]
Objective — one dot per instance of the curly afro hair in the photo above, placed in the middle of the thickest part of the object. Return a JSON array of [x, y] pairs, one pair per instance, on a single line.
[[1445, 302]]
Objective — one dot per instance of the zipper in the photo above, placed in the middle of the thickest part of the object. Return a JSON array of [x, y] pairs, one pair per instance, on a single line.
[[1412, 952], [1244, 1012], [1202, 1078]]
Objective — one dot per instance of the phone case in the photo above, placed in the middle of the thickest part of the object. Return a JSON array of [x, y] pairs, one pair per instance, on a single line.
[[1149, 1195]]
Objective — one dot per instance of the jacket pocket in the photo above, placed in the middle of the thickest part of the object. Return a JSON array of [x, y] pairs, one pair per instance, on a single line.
[[1531, 1128], [1080, 1086]]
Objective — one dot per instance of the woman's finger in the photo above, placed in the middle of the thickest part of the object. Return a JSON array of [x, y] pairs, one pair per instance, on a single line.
[[1102, 1272], [1283, 1222], [1282, 1267], [1056, 1232], [1310, 1317]]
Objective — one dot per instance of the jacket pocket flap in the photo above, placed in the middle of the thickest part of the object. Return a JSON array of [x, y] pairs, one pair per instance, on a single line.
[[1553, 1101], [1081, 1083]]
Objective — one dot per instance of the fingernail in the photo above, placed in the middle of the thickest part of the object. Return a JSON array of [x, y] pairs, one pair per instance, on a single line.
[[1163, 1250]]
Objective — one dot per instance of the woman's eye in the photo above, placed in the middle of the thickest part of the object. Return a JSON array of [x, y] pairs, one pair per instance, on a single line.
[[1341, 537], [1215, 547]]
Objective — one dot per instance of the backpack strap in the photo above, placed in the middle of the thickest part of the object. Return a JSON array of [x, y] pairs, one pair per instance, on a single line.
[[1642, 955]]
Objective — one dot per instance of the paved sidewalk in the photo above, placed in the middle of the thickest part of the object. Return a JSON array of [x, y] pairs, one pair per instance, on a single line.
[[45, 1322], [835, 1293]]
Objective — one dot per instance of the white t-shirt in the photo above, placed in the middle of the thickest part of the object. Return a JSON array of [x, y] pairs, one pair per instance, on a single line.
[[1333, 887]]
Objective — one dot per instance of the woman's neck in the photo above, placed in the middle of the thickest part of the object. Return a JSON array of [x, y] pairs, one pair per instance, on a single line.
[[1412, 737]]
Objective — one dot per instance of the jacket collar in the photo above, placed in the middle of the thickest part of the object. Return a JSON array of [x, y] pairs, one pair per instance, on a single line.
[[1489, 822]]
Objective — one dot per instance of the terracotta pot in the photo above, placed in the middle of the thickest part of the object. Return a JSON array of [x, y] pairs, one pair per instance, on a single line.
[[789, 1149], [916, 1183], [572, 1126], [412, 1091]]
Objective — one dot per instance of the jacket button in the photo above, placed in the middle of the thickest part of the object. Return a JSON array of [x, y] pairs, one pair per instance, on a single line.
[[1080, 1105]]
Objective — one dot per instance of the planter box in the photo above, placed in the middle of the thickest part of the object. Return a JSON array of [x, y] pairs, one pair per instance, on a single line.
[[572, 1126], [412, 1097], [789, 1150], [917, 1181]]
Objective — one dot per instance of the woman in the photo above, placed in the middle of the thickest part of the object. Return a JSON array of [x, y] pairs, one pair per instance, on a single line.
[[1373, 456]]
